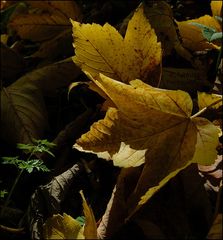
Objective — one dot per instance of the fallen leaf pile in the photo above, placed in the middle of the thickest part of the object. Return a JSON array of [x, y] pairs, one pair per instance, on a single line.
[[133, 106], [147, 125]]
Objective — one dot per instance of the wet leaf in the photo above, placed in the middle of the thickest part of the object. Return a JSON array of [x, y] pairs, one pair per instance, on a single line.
[[135, 56]]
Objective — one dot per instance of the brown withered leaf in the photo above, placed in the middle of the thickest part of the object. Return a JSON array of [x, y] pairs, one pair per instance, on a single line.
[[52, 77], [59, 46], [51, 19], [12, 64], [69, 9], [23, 114], [39, 27]]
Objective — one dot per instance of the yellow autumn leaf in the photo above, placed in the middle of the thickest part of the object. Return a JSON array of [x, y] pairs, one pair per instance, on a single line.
[[151, 126], [205, 153], [216, 8], [209, 100], [101, 49], [144, 121], [192, 36], [90, 227], [65, 227], [62, 227]]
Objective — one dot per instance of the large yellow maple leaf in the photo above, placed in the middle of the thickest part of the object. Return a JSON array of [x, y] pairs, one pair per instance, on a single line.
[[151, 126], [147, 121], [102, 49]]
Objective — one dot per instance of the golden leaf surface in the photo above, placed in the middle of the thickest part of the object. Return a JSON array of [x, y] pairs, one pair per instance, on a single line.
[[207, 100], [62, 227], [192, 35], [145, 120], [216, 8], [90, 227], [151, 126], [101, 49]]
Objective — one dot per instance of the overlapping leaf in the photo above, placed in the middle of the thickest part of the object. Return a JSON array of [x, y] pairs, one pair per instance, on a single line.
[[69, 9], [65, 227], [192, 35], [23, 114], [62, 227], [46, 24], [151, 126], [209, 100], [135, 56]]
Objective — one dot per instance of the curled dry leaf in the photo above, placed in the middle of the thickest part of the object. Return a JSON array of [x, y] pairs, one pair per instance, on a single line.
[[46, 200], [151, 126], [192, 36], [134, 56]]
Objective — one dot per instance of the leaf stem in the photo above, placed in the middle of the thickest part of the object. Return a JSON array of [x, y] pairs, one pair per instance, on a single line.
[[13, 187], [198, 113], [11, 191]]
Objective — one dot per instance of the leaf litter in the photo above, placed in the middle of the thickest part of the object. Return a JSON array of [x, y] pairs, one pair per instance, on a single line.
[[149, 108]]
